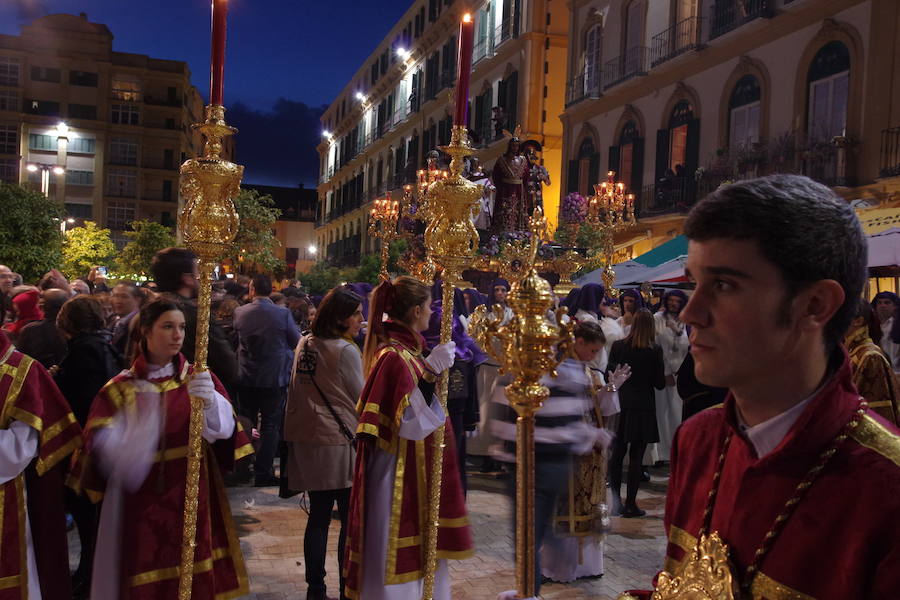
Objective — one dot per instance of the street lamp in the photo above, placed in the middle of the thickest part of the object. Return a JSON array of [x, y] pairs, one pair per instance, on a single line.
[[65, 222], [312, 249], [45, 170]]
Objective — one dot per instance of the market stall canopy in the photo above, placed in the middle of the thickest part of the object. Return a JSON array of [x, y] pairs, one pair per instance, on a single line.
[[636, 270], [879, 220], [884, 248]]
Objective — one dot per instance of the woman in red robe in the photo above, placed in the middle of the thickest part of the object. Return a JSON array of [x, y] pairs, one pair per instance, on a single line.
[[135, 458], [398, 415]]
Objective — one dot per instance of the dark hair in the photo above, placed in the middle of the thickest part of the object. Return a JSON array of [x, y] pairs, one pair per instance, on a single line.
[[643, 330], [590, 332], [81, 314], [299, 307], [339, 304], [262, 284], [864, 310], [169, 265], [802, 227]]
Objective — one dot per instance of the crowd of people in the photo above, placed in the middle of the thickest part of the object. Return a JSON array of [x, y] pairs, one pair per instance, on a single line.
[[773, 366]]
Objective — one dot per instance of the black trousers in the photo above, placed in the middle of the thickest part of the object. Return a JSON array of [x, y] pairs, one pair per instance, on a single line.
[[315, 540], [266, 406], [86, 516], [635, 453]]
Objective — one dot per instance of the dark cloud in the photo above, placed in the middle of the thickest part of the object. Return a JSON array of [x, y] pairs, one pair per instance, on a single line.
[[278, 146]]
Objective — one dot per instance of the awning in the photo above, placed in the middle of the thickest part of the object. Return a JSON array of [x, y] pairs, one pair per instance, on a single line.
[[877, 220], [636, 270], [672, 249], [884, 248]]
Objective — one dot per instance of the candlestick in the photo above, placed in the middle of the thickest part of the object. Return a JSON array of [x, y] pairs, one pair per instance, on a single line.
[[217, 60], [464, 69]]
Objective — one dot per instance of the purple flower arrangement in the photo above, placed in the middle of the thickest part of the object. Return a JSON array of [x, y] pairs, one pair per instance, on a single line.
[[574, 208]]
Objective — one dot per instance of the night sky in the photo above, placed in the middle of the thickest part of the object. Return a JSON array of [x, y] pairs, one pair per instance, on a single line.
[[286, 60]]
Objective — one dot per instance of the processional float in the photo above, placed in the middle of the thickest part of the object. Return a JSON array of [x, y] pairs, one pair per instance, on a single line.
[[208, 224]]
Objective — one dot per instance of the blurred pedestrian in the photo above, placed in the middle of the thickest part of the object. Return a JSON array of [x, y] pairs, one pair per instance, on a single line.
[[267, 336], [637, 419], [126, 301], [672, 337], [872, 373], [42, 339], [320, 426]]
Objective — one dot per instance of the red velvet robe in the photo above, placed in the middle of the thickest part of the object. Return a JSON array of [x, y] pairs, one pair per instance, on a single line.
[[153, 516], [396, 373], [843, 540], [30, 396]]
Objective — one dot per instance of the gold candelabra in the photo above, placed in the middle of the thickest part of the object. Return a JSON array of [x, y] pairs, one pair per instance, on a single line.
[[565, 265], [528, 347], [383, 225], [610, 210], [451, 239], [208, 224]]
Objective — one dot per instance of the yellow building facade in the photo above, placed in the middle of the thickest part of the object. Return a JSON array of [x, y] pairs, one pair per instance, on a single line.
[[396, 107], [679, 96]]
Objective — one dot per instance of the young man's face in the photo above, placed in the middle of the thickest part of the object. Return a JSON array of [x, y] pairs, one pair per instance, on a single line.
[[736, 336], [885, 308], [586, 351], [673, 305], [500, 293], [628, 304]]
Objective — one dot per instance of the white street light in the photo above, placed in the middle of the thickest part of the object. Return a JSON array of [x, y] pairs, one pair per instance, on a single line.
[[403, 53], [360, 96], [58, 170], [62, 129], [31, 167], [312, 249]]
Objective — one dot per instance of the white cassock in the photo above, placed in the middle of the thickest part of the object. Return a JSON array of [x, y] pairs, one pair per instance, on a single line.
[[891, 349], [18, 447], [126, 451], [487, 376], [418, 422], [675, 347]]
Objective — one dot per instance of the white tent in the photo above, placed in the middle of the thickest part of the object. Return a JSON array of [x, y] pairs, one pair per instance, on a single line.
[[884, 248]]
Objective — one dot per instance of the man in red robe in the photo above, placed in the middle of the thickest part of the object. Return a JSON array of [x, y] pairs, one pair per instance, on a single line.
[[38, 432], [799, 478]]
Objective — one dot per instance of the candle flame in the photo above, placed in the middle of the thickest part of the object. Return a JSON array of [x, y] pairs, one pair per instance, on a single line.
[[467, 18]]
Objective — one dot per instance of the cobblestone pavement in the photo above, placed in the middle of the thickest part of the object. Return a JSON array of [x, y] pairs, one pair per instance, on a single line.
[[271, 534]]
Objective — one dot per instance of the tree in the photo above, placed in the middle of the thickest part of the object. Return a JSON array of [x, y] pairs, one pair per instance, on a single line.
[[321, 278], [255, 243], [85, 247], [30, 239], [146, 239]]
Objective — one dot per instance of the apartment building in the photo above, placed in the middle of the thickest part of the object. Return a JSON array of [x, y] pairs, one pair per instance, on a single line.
[[295, 227], [678, 96], [396, 107], [126, 118]]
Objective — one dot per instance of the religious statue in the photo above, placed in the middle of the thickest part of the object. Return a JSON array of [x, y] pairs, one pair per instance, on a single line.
[[538, 176], [509, 175], [476, 174]]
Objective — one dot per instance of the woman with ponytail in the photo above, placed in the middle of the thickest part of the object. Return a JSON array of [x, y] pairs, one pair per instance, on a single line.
[[399, 413]]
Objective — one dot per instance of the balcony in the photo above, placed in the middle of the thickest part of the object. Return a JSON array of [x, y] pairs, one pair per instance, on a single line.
[[667, 196], [586, 85], [731, 14], [157, 101], [682, 37], [890, 153], [622, 68], [487, 46], [126, 95]]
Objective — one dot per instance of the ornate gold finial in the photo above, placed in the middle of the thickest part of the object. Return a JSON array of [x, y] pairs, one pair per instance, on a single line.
[[528, 347], [707, 575], [515, 135]]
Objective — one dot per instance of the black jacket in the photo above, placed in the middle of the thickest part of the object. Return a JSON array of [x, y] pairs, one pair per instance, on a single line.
[[221, 358], [42, 341], [637, 397], [91, 361]]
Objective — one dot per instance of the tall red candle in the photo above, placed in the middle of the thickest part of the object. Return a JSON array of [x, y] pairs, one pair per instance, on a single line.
[[464, 69], [217, 60]]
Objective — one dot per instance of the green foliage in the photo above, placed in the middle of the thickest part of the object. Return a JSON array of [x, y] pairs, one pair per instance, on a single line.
[[30, 239], [146, 239], [85, 247], [255, 243], [321, 278]]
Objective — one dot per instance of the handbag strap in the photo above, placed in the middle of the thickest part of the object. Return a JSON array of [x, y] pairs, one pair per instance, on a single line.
[[344, 429]]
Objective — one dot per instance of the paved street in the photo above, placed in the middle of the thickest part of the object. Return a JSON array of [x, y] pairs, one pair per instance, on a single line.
[[271, 532]]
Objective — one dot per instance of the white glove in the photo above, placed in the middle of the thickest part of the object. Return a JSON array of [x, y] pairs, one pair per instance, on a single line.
[[201, 386], [441, 357], [620, 376], [472, 434], [604, 439]]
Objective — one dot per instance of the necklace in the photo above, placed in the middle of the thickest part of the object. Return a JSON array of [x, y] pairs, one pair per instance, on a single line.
[[790, 506]]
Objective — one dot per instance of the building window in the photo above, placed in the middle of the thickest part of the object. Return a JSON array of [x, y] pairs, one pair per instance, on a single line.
[[829, 91], [9, 71], [126, 89], [74, 177], [9, 170], [122, 152], [47, 74], [83, 111], [9, 139], [43, 142], [125, 114], [119, 215], [82, 145], [678, 136], [121, 183], [83, 78], [44, 107], [79, 211], [593, 43], [167, 191], [743, 113], [584, 170], [9, 100]]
